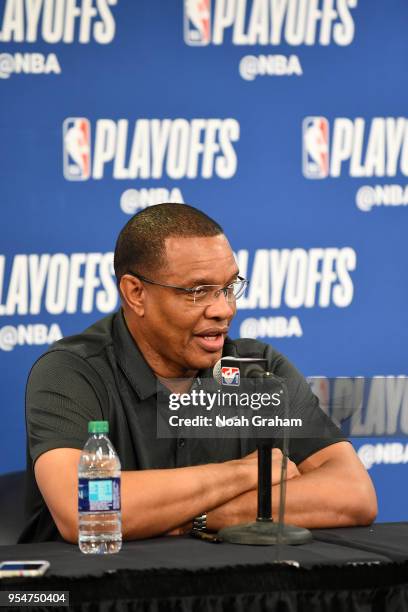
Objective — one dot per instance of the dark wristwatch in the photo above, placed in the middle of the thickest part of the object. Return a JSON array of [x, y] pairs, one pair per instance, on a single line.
[[200, 523]]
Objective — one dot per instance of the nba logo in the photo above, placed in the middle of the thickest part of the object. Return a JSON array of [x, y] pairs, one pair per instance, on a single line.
[[230, 376], [77, 148], [197, 17], [315, 147]]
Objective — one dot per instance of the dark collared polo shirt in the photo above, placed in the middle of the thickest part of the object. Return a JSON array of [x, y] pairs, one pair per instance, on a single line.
[[101, 375]]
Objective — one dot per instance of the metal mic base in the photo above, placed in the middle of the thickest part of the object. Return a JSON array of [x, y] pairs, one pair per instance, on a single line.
[[265, 533]]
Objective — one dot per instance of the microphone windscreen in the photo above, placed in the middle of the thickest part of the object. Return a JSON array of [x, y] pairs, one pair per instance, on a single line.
[[217, 371], [217, 374]]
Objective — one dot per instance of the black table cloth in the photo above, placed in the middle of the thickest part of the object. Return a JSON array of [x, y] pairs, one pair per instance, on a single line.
[[350, 569]]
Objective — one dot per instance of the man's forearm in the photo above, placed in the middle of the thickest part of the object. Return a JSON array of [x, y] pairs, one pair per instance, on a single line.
[[157, 501], [324, 497]]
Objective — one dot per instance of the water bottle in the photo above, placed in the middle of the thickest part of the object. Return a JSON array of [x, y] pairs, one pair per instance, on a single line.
[[100, 527]]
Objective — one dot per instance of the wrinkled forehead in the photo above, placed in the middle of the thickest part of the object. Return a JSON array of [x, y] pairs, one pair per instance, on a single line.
[[199, 260]]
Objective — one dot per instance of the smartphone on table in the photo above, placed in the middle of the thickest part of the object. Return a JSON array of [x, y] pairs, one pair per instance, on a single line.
[[12, 569]]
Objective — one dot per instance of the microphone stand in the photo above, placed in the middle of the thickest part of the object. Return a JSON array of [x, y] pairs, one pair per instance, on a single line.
[[264, 531]]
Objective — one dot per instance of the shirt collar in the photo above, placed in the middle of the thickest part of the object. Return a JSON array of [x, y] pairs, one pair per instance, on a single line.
[[131, 360]]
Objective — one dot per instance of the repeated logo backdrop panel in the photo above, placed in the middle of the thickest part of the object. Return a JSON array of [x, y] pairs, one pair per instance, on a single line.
[[286, 121]]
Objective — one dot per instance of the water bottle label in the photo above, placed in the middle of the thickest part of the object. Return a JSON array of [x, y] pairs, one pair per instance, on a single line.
[[98, 494]]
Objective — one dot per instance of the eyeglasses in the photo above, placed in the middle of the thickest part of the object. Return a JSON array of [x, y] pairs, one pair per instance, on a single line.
[[204, 295]]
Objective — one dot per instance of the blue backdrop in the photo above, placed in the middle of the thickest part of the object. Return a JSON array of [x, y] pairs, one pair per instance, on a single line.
[[286, 121]]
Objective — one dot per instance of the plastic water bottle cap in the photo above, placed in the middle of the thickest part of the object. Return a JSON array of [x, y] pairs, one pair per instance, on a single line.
[[96, 427]]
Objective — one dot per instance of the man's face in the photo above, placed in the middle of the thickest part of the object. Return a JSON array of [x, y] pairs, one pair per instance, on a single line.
[[180, 337]]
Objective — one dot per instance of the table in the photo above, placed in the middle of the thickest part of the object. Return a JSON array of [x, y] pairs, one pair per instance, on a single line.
[[350, 569]]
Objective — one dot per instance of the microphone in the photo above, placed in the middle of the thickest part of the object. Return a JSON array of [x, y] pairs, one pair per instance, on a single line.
[[228, 371]]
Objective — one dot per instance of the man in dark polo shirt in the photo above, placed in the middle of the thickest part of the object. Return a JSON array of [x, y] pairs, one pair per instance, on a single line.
[[179, 283]]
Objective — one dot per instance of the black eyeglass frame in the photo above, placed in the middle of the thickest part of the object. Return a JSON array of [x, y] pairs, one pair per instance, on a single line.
[[192, 290]]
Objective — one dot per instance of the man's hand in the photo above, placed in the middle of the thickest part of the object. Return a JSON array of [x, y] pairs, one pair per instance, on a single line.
[[277, 456], [291, 467]]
